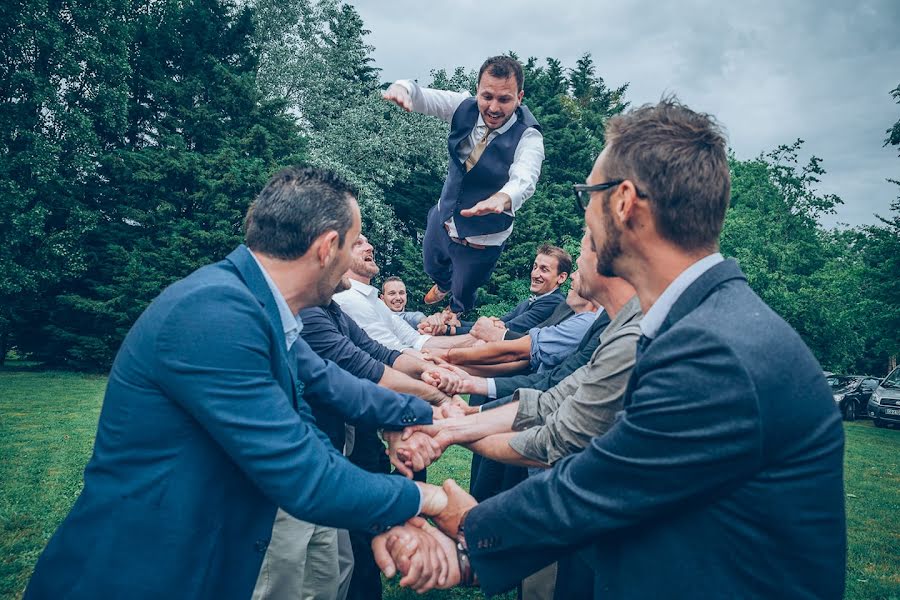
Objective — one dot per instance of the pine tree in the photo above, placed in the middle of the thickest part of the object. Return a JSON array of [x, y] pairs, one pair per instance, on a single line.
[[199, 142], [62, 98]]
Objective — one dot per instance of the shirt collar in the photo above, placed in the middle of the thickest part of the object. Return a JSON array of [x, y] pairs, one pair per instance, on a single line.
[[654, 318], [504, 128], [534, 297], [363, 288], [290, 322]]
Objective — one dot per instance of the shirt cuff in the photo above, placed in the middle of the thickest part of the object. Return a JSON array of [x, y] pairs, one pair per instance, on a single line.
[[421, 341], [421, 500], [516, 198], [492, 388], [528, 414]]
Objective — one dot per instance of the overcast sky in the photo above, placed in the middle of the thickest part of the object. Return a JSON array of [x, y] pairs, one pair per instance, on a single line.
[[770, 71]]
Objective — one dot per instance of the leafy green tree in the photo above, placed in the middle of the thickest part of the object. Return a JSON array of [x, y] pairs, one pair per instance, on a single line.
[[893, 134], [324, 70], [62, 98], [198, 142], [807, 275]]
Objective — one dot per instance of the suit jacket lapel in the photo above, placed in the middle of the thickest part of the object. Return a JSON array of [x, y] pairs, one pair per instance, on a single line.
[[256, 283], [690, 299], [698, 291]]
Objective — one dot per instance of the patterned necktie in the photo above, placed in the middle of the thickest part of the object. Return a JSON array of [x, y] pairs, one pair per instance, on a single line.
[[477, 151]]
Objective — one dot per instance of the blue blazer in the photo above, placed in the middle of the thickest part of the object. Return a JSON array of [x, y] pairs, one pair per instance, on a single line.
[[202, 435], [722, 477], [526, 314]]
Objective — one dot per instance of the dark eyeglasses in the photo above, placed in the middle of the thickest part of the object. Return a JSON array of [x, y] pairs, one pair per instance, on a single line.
[[583, 191]]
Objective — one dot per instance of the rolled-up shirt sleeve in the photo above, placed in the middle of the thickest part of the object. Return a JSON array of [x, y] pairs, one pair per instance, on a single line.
[[560, 426]]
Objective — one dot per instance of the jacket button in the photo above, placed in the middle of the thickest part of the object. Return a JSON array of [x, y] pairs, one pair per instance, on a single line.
[[261, 545]]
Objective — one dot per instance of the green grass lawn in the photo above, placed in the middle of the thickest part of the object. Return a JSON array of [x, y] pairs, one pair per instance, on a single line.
[[48, 420]]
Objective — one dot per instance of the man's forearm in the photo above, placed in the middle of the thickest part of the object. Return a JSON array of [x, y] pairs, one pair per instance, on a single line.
[[491, 353], [496, 447], [400, 382], [509, 368], [411, 365], [452, 341], [465, 430]]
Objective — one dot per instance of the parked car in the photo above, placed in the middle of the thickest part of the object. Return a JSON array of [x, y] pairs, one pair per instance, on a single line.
[[884, 405], [852, 392]]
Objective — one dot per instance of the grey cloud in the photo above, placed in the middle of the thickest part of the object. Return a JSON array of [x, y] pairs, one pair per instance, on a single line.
[[770, 71]]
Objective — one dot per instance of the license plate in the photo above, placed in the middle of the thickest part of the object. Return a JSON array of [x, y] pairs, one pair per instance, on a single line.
[[892, 411]]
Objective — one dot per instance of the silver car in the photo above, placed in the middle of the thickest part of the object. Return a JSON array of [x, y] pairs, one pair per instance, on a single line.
[[884, 405]]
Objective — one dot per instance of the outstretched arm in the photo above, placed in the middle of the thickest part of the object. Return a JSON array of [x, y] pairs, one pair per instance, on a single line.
[[410, 96], [491, 353], [496, 447]]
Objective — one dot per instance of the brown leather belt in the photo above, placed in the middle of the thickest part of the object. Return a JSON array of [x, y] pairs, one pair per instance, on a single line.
[[463, 241]]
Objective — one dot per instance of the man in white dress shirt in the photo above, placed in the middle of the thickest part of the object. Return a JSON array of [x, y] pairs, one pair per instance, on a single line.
[[362, 304], [495, 151]]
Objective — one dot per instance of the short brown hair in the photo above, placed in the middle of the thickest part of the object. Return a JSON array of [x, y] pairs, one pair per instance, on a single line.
[[503, 67], [678, 159], [298, 205], [390, 279], [563, 258]]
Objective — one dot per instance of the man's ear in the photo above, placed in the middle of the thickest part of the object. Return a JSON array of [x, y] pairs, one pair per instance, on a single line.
[[561, 278], [326, 247], [623, 204]]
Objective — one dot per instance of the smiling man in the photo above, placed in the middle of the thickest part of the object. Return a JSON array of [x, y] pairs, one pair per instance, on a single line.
[[496, 150], [550, 270], [361, 304], [393, 294]]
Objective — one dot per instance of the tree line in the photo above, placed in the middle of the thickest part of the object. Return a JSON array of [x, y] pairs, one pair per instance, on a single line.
[[134, 134]]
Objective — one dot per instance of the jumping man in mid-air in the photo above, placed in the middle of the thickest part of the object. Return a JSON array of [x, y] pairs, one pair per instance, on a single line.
[[496, 150]]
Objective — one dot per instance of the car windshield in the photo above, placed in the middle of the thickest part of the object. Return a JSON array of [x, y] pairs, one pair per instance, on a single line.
[[892, 380], [839, 382]]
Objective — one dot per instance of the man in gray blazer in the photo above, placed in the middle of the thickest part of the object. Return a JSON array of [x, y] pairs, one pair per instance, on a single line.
[[723, 475]]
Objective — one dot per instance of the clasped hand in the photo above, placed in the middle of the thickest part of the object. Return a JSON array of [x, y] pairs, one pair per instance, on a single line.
[[489, 329], [425, 555]]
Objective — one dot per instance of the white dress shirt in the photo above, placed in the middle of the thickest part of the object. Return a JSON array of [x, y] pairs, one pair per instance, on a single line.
[[524, 170], [361, 303]]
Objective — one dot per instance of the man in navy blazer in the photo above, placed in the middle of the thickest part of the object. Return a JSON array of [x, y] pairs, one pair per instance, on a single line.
[[722, 477], [204, 429], [552, 266]]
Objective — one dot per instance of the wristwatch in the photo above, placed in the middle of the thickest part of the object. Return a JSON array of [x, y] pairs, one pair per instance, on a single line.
[[466, 575]]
